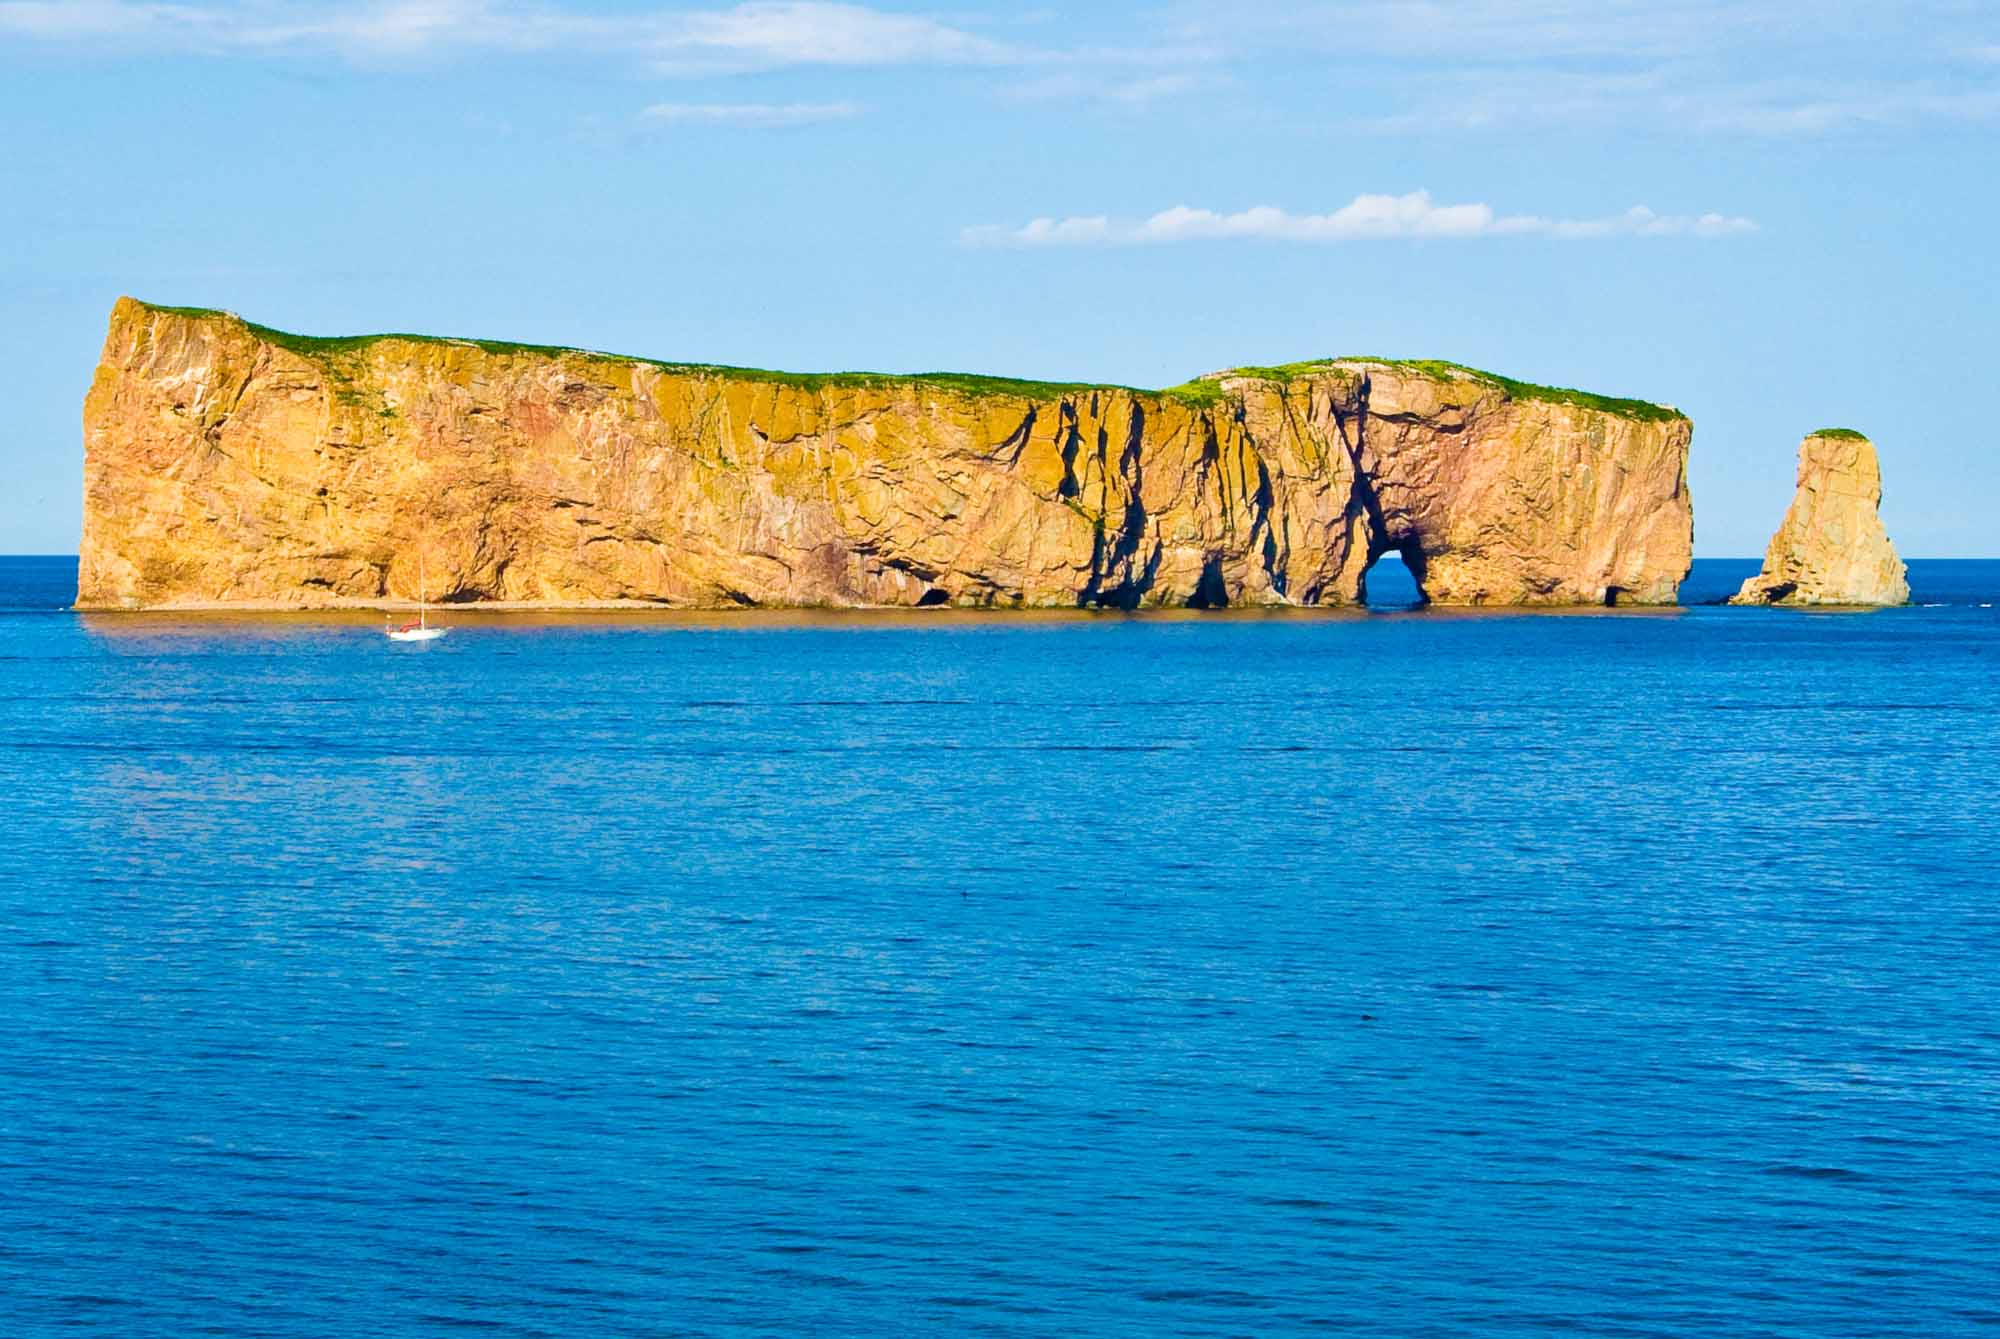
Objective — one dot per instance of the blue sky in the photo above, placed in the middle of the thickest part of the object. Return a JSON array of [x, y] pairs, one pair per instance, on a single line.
[[1777, 216]]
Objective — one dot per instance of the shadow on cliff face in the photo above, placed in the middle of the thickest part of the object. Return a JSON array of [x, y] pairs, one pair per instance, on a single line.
[[1393, 582]]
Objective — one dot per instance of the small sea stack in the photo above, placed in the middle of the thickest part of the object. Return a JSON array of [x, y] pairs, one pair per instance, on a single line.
[[1832, 548]]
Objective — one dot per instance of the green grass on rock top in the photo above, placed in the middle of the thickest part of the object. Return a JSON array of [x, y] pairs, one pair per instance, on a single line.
[[1844, 434], [310, 346], [1440, 370], [1202, 393]]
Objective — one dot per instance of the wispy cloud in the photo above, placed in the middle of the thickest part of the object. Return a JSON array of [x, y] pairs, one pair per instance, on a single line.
[[1140, 91], [1721, 67], [1502, 32], [394, 26], [758, 35], [749, 115], [1559, 100], [1366, 218], [1807, 115], [766, 35], [1490, 31], [1735, 67], [72, 20]]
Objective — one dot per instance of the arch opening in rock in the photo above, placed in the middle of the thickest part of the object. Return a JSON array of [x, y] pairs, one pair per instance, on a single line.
[[1395, 579]]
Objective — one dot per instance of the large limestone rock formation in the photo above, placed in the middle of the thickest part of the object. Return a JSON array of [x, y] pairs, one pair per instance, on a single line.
[[1832, 548], [227, 464]]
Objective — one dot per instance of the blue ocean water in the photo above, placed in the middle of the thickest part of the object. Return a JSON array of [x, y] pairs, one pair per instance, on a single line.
[[1417, 974]]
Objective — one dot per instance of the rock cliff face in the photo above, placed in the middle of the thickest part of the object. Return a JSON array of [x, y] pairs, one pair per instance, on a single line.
[[1832, 548], [227, 464]]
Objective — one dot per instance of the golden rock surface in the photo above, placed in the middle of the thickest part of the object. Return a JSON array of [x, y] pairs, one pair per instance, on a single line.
[[1832, 547], [231, 466]]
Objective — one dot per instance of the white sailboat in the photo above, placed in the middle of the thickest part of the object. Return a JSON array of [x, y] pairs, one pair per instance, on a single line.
[[421, 630]]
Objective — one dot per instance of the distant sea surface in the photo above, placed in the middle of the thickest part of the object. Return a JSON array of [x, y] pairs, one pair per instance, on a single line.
[[1425, 973]]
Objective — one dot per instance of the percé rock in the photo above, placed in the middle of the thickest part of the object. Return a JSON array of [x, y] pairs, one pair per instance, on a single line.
[[234, 466], [1832, 547]]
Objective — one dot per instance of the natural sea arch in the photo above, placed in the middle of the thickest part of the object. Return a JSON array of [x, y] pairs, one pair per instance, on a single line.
[[1394, 580]]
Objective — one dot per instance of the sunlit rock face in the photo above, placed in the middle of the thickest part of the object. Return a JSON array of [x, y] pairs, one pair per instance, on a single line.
[[229, 465], [1832, 547]]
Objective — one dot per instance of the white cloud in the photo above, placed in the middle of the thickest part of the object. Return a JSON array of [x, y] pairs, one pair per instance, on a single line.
[[390, 25], [1722, 67], [767, 34], [1488, 30], [1813, 116], [76, 19], [760, 34], [1637, 221], [1493, 33], [1365, 218], [1555, 100], [1734, 67], [751, 115], [1092, 86]]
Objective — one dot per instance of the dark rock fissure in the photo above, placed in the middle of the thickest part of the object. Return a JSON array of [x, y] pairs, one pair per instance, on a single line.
[[1131, 533], [1210, 592], [1072, 442], [1135, 433], [1017, 442], [1261, 502], [920, 571]]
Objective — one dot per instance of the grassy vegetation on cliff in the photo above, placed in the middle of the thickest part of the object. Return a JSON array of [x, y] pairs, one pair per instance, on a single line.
[[1844, 434], [320, 346], [1440, 370], [1201, 393]]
